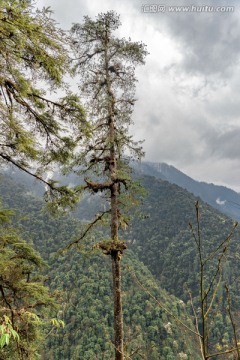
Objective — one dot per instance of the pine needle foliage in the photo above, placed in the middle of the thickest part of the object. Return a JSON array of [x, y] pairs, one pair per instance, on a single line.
[[37, 125], [25, 300], [106, 65]]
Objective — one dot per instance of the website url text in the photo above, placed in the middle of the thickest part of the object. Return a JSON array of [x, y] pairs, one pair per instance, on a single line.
[[155, 8]]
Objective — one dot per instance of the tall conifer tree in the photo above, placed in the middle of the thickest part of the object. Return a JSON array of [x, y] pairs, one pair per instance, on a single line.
[[106, 66]]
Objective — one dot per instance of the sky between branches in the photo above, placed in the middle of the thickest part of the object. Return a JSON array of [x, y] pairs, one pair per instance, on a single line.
[[188, 108]]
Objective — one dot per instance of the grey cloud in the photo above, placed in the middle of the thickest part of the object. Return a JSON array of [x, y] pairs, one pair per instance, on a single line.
[[188, 111], [226, 145], [211, 45], [66, 12], [209, 41]]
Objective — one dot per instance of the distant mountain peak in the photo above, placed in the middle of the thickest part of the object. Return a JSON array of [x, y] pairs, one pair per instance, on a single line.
[[220, 197]]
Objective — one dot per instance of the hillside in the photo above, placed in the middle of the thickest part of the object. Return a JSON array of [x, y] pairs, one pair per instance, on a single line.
[[87, 311], [163, 240], [221, 198], [83, 278], [160, 237]]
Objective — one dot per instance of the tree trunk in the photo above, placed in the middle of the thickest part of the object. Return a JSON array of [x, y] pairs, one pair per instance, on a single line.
[[118, 314]]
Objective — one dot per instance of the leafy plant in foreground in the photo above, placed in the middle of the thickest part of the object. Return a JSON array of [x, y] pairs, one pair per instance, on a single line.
[[25, 301]]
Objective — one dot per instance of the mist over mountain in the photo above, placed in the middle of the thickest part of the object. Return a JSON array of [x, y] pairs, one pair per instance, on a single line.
[[220, 197]]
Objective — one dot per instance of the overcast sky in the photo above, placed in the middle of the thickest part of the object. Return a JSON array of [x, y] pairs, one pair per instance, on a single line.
[[188, 108]]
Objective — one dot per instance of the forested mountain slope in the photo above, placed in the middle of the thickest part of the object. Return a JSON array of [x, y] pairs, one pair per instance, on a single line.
[[164, 242], [83, 278], [220, 197], [150, 333], [160, 237]]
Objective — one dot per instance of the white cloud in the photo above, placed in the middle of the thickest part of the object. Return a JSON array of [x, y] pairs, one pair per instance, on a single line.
[[188, 108], [220, 202]]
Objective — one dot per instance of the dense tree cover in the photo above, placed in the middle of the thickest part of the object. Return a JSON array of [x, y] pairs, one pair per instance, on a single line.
[[34, 220], [84, 280], [164, 242], [209, 193], [88, 312], [213, 285], [168, 251], [37, 127], [25, 301]]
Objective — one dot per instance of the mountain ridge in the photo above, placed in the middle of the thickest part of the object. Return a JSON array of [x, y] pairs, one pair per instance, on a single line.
[[220, 197]]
